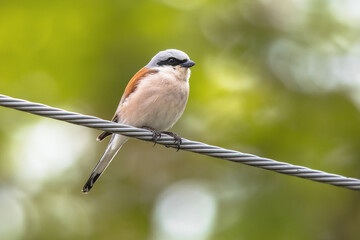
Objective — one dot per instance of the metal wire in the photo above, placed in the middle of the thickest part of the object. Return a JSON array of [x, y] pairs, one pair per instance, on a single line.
[[187, 145]]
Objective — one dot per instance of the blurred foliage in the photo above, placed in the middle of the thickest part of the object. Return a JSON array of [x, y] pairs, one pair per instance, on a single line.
[[280, 79]]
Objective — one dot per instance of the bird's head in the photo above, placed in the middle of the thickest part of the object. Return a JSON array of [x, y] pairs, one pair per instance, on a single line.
[[171, 58]]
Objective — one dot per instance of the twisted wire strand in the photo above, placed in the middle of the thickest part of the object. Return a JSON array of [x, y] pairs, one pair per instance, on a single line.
[[187, 145]]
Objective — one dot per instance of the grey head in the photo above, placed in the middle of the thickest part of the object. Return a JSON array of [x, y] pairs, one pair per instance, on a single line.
[[171, 57]]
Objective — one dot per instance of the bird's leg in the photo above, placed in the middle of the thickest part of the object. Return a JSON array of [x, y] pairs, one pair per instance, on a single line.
[[177, 139], [156, 134]]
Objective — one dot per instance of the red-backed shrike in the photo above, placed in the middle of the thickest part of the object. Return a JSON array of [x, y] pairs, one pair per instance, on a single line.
[[155, 98]]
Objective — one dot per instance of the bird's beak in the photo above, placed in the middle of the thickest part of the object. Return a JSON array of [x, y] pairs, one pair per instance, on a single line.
[[188, 64]]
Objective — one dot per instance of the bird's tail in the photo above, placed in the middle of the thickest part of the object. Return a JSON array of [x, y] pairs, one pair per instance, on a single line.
[[114, 146]]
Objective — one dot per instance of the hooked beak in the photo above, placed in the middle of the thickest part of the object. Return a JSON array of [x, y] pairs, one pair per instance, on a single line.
[[188, 64]]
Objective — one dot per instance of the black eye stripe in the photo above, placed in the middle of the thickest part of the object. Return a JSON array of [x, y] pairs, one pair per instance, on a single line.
[[171, 62]]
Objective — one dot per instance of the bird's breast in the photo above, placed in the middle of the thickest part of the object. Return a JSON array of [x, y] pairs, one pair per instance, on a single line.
[[158, 101]]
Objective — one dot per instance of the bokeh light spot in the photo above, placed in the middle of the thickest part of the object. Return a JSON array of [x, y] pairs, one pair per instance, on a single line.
[[186, 210], [46, 149]]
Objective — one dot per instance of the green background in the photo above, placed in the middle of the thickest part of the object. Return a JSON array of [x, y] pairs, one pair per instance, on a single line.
[[279, 79]]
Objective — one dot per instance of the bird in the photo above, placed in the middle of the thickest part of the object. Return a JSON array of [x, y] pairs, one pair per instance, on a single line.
[[154, 99]]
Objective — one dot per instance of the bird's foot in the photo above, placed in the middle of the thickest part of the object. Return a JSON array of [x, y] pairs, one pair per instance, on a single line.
[[177, 139], [156, 134]]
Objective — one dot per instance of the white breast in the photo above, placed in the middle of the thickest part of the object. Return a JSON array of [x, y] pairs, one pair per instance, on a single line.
[[159, 100]]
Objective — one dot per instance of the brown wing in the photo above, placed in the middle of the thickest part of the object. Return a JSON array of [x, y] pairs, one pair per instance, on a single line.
[[130, 88]]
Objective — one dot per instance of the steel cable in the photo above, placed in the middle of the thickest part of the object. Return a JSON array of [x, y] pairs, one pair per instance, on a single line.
[[186, 145]]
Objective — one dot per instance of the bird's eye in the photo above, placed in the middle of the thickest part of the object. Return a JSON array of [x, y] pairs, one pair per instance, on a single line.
[[171, 60]]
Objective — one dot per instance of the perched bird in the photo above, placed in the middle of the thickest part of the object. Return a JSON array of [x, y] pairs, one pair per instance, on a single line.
[[154, 99]]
